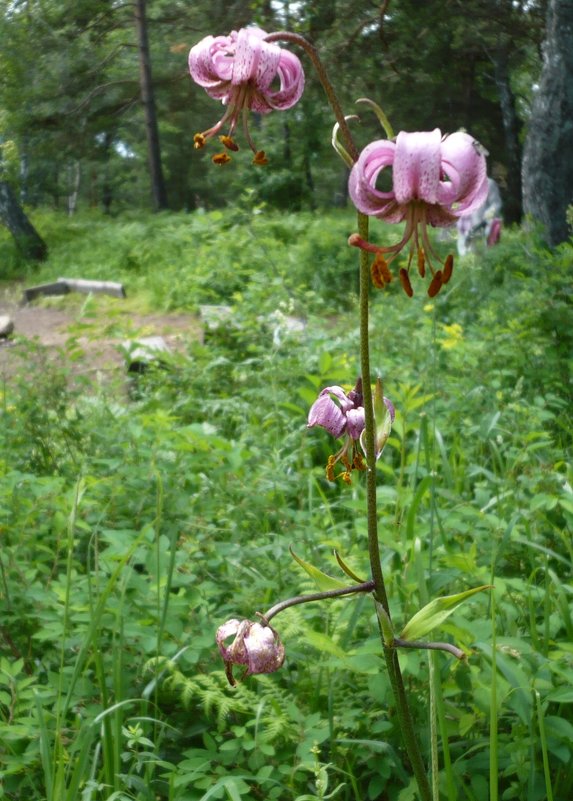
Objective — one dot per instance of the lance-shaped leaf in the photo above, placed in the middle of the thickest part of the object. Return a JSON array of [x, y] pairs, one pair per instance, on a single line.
[[322, 580], [346, 569], [385, 625], [384, 417], [434, 613]]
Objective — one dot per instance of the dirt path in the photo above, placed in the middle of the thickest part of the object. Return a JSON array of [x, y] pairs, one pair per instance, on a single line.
[[90, 332]]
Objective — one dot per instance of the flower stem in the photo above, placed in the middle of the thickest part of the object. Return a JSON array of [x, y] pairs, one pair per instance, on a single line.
[[366, 586], [312, 53], [390, 655], [393, 666]]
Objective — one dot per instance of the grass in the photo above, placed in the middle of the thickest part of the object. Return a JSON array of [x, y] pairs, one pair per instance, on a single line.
[[132, 529]]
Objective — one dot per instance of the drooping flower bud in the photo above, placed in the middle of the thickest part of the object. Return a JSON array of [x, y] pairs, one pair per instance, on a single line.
[[255, 645]]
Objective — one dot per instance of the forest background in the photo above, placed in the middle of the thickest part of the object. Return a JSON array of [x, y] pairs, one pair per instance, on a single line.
[[133, 526], [97, 106]]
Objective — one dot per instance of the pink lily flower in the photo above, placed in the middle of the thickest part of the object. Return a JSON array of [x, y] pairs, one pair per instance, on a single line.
[[255, 645], [240, 70], [343, 416], [435, 180]]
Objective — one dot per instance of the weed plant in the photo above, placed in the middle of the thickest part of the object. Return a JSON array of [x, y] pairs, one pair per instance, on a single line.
[[131, 529]]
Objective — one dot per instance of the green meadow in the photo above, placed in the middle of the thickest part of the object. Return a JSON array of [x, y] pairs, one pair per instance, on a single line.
[[136, 519]]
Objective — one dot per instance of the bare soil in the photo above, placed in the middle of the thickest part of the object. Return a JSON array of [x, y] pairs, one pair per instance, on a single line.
[[88, 333]]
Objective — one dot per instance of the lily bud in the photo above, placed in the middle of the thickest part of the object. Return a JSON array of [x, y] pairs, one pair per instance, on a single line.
[[255, 645]]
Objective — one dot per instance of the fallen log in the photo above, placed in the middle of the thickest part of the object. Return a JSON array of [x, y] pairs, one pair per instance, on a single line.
[[104, 287], [64, 285], [55, 288]]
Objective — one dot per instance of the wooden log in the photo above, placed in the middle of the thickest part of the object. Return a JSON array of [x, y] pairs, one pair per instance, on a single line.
[[55, 288], [104, 287], [64, 285]]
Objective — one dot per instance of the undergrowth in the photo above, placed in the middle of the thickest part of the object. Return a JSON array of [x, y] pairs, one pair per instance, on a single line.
[[132, 528]]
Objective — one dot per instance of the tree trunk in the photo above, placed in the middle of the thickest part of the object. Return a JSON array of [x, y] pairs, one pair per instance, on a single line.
[[512, 207], [74, 189], [158, 190], [12, 216], [548, 151]]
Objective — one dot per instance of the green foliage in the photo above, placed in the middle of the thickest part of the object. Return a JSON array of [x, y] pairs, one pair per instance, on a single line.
[[132, 527]]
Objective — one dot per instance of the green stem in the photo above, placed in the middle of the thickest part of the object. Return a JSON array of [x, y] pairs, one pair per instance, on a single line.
[[391, 657], [366, 586], [392, 663], [311, 51]]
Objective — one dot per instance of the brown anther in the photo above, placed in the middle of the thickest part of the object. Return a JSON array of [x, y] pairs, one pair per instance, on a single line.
[[435, 284], [346, 477], [330, 468], [448, 269], [384, 269], [421, 262], [376, 273], [359, 463], [405, 281], [345, 462], [227, 142], [220, 158], [260, 158], [199, 141]]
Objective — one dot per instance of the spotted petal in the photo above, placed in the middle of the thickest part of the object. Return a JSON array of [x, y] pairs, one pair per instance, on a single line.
[[255, 61], [326, 413], [265, 651], [291, 78], [355, 422], [211, 60], [416, 173], [375, 157], [464, 161]]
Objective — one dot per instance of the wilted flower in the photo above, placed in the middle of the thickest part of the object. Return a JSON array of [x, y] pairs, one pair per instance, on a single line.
[[342, 415], [255, 645], [239, 70], [435, 180]]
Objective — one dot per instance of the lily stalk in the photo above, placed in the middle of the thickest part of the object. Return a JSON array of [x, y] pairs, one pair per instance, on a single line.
[[380, 594], [390, 654]]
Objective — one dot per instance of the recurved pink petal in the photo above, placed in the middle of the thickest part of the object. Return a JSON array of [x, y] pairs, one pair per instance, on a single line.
[[211, 60], [236, 652], [326, 413], [355, 422], [255, 61], [463, 160], [375, 157], [291, 76], [417, 166]]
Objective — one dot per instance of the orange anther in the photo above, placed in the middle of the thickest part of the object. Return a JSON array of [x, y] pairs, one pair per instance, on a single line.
[[448, 269], [229, 143], [221, 158], [435, 284], [405, 281]]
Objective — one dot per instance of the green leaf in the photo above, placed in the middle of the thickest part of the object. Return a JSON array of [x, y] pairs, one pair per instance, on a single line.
[[322, 580], [385, 624], [434, 613], [346, 569]]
